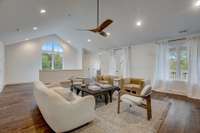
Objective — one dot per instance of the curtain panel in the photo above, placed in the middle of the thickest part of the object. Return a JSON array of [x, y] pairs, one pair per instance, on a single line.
[[194, 67], [162, 80], [161, 75]]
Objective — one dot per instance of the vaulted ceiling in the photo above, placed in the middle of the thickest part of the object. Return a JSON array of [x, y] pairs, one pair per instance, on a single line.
[[161, 19]]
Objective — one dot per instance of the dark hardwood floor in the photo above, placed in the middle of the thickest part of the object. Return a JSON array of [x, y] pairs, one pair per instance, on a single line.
[[183, 115], [19, 112]]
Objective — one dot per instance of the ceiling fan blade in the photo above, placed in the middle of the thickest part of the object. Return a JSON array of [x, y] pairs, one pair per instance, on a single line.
[[92, 30], [83, 29], [104, 25], [104, 34], [99, 29]]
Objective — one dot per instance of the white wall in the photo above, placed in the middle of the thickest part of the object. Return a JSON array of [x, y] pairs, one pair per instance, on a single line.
[[2, 68], [143, 61], [90, 64], [23, 60], [60, 75], [104, 58]]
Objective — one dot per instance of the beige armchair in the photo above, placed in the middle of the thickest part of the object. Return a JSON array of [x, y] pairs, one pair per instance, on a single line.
[[104, 79], [133, 85], [143, 100]]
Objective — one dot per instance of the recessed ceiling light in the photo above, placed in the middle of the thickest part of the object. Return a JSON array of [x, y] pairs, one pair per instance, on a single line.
[[139, 23], [108, 33], [43, 11], [197, 3], [35, 28], [89, 40], [68, 41], [27, 39]]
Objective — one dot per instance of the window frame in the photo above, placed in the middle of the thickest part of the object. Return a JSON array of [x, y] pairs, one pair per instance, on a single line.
[[178, 47], [53, 53]]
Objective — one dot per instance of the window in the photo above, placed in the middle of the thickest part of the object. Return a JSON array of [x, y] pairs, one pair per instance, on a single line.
[[178, 63], [52, 56]]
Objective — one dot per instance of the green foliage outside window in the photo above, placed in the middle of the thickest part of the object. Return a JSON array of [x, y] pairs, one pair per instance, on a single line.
[[178, 63], [183, 60], [46, 61], [52, 58], [58, 61], [172, 61]]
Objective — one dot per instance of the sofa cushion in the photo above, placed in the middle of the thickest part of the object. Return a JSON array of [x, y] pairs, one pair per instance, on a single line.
[[103, 82], [67, 94], [127, 81], [106, 77], [132, 86], [131, 99]]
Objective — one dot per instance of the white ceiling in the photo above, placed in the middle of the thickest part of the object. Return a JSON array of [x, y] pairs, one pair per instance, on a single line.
[[161, 19]]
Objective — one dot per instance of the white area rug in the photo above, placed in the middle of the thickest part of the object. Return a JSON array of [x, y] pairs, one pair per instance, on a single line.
[[130, 120]]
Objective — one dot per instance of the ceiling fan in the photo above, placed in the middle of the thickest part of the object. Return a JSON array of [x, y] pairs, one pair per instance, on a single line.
[[100, 27]]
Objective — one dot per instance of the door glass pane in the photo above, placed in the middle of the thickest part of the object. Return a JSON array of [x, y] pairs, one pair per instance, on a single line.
[[46, 61], [58, 61], [183, 63], [172, 63]]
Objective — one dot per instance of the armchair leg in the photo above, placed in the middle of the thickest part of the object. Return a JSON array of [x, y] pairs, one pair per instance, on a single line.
[[118, 107], [149, 111]]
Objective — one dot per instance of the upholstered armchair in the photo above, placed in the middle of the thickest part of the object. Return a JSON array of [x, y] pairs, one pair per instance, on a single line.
[[143, 99], [133, 85], [104, 79]]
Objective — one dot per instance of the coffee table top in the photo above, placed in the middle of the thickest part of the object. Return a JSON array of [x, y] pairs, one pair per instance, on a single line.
[[97, 91]]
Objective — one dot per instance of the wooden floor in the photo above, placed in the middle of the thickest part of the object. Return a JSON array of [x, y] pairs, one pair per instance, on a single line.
[[19, 112]]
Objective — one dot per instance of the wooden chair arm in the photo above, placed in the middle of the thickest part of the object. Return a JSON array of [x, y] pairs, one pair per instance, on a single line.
[[147, 95], [122, 92]]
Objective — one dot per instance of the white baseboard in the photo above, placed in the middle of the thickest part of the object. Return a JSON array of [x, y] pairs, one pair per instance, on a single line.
[[3, 87], [18, 83], [180, 94]]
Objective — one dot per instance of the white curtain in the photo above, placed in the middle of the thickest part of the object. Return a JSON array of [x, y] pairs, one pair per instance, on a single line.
[[194, 67], [162, 80], [120, 62], [161, 75], [127, 61], [112, 63]]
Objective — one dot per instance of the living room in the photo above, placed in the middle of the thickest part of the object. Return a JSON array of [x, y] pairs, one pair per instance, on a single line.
[[100, 66]]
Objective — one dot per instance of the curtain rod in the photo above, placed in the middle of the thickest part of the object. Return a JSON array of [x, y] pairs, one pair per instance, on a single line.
[[178, 39], [181, 38]]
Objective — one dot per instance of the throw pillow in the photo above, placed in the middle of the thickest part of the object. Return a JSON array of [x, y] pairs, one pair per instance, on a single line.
[[146, 90], [68, 95]]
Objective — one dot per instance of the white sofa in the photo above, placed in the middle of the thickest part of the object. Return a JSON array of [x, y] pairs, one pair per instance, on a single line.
[[60, 114]]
